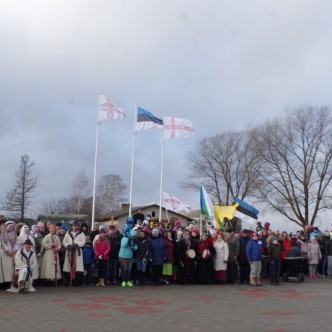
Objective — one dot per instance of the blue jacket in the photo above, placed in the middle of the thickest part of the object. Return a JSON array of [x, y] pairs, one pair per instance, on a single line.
[[88, 255], [254, 251], [127, 246], [158, 252]]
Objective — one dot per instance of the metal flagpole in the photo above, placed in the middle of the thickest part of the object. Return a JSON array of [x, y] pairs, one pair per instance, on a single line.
[[95, 167], [200, 215], [161, 173], [132, 165]]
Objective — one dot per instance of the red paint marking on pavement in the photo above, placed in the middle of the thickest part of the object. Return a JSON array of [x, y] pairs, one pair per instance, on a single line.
[[278, 313], [254, 293], [104, 299], [185, 308], [87, 306], [99, 315], [292, 294], [207, 299], [138, 310], [59, 300], [8, 311], [150, 302]]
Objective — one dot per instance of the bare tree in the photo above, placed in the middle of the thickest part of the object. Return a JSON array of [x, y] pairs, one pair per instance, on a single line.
[[295, 154], [19, 198], [227, 164], [110, 193], [80, 189], [60, 205]]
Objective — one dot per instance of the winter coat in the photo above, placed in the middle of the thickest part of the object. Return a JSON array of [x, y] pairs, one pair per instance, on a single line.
[[126, 249], [243, 247], [221, 257], [47, 270], [115, 242], [234, 248], [21, 262], [254, 251], [314, 254], [169, 251], [329, 247], [88, 255], [79, 240], [7, 244], [101, 248], [143, 248], [158, 252], [274, 252], [286, 246]]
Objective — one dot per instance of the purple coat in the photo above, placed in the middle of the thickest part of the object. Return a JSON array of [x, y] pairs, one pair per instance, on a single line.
[[169, 248]]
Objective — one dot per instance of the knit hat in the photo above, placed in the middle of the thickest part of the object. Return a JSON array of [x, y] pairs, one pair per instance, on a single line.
[[146, 229], [253, 234], [195, 231], [155, 230]]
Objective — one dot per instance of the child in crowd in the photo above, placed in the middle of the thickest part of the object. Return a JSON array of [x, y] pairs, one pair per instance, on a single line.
[[88, 262]]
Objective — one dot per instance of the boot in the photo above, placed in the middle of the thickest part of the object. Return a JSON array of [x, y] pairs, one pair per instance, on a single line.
[[258, 281], [102, 284], [139, 278], [99, 283], [142, 281], [253, 281]]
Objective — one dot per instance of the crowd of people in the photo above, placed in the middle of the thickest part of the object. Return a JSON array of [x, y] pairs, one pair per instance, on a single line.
[[158, 254]]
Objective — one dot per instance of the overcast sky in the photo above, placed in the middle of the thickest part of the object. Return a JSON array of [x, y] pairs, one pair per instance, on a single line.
[[221, 64]]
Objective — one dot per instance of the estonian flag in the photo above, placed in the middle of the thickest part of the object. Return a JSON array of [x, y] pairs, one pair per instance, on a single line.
[[146, 120], [245, 212]]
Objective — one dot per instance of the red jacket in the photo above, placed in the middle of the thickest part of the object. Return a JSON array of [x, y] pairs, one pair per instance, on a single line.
[[102, 248], [285, 248]]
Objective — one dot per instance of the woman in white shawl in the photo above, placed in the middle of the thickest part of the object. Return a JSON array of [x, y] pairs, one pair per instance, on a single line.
[[51, 245], [24, 235]]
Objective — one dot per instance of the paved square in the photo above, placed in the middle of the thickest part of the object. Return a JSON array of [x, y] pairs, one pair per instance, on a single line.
[[291, 307]]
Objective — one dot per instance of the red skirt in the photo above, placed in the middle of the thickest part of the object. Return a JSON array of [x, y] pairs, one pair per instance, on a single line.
[[221, 275]]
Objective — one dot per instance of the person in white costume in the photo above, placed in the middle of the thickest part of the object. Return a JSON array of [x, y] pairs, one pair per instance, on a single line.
[[26, 268], [50, 268], [74, 241]]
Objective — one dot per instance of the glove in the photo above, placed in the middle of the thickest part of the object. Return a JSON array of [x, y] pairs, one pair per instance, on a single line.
[[100, 257]]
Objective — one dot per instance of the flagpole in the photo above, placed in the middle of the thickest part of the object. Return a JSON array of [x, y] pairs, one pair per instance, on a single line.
[[132, 164], [200, 216], [95, 167], [161, 173]]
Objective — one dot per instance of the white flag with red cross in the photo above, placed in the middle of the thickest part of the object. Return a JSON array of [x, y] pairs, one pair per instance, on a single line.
[[177, 127]]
